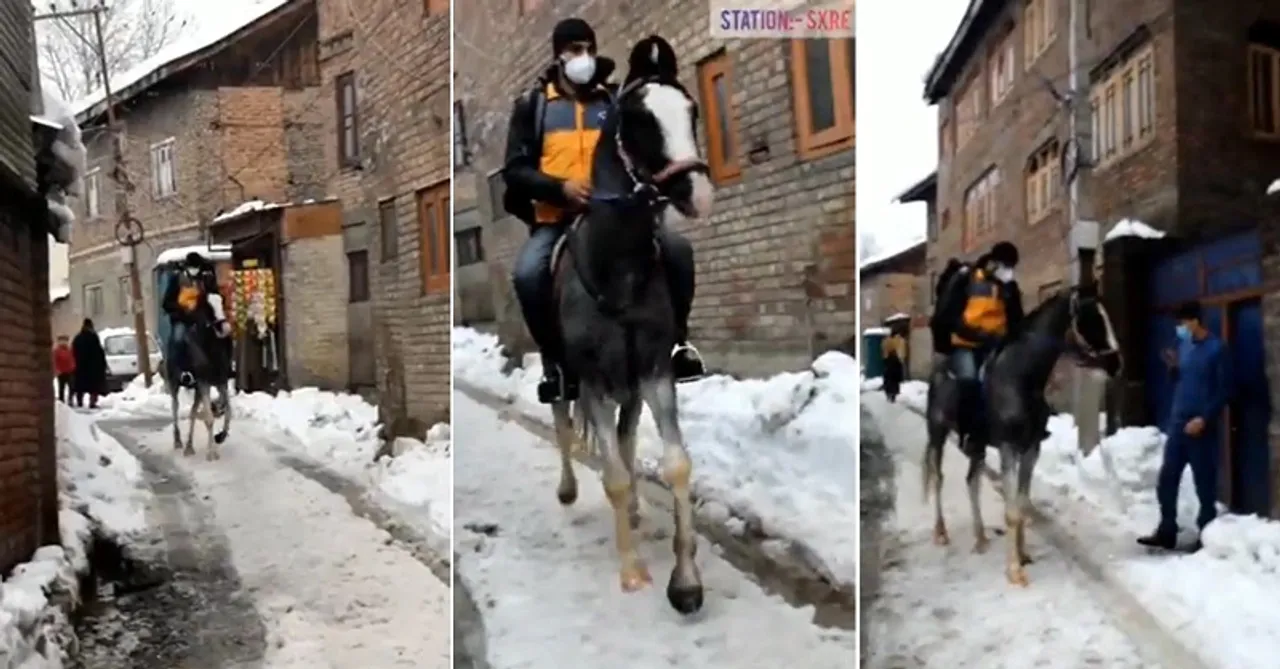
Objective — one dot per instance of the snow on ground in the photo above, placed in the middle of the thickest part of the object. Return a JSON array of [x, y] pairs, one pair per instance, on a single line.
[[1218, 600], [98, 478], [332, 589], [547, 575], [781, 449], [949, 607], [336, 429]]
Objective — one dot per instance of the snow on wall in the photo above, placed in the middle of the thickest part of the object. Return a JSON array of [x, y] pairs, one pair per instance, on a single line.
[[68, 147]]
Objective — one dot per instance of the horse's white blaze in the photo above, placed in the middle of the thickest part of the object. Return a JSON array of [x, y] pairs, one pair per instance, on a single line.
[[674, 114], [215, 301], [1112, 343]]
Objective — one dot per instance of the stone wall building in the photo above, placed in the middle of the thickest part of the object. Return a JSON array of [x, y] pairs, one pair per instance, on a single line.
[[1177, 133], [385, 79], [776, 260], [204, 131]]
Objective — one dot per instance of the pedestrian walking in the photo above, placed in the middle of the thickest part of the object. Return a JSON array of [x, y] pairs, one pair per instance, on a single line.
[[1201, 371], [64, 365], [90, 365], [894, 349]]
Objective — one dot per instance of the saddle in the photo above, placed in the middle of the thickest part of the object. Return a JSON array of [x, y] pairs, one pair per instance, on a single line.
[[561, 245]]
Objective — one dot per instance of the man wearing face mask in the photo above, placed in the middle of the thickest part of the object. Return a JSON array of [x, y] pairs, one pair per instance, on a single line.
[[191, 295], [980, 305], [550, 143], [1201, 372]]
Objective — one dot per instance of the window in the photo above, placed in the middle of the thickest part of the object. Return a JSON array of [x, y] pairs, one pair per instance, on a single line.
[[470, 246], [433, 237], [164, 179], [388, 229], [980, 208], [1123, 104], [93, 193], [822, 83], [357, 276], [968, 111], [497, 189], [715, 87], [1039, 27], [1000, 69], [526, 6], [348, 120], [126, 294], [1043, 180], [460, 156], [92, 300], [1264, 91], [436, 7]]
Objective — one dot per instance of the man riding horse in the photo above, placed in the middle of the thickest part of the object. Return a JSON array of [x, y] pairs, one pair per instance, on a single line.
[[192, 300], [550, 143], [977, 307]]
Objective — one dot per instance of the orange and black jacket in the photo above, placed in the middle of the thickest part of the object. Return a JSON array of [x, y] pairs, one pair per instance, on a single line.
[[551, 139], [977, 310]]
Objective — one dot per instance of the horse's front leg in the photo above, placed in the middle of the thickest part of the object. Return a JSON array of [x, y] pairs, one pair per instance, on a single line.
[[933, 481], [601, 413], [628, 423], [196, 402], [566, 439], [684, 590], [977, 462], [216, 439], [173, 407], [1026, 469], [1012, 513]]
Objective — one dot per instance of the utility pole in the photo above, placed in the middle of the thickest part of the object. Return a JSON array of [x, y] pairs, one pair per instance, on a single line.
[[128, 230]]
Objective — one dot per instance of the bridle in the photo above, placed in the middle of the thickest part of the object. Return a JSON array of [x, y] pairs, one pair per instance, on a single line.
[[648, 185], [1079, 341]]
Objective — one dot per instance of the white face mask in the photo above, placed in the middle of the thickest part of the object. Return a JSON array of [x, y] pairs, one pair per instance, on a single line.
[[579, 69], [193, 271], [1004, 274]]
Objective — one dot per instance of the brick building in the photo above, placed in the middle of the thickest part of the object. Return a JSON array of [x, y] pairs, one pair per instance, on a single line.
[[28, 459], [890, 286], [384, 70], [235, 120], [776, 260], [1178, 134]]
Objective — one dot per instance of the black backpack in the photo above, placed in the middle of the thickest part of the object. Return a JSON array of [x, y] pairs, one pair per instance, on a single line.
[[514, 201]]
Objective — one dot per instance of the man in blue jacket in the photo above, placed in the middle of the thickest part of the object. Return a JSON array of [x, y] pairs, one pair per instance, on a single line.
[[1201, 372]]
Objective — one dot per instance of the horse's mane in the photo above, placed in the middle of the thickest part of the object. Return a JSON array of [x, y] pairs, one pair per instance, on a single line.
[[1032, 317]]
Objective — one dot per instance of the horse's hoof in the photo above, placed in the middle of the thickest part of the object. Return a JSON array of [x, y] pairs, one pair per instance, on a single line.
[[567, 494], [219, 437], [635, 578], [188, 451], [635, 519], [980, 546], [211, 456], [940, 537], [1018, 576], [687, 599], [1025, 559]]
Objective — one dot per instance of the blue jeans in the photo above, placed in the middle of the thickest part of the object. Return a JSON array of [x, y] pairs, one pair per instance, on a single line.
[[534, 285], [965, 365], [1201, 454]]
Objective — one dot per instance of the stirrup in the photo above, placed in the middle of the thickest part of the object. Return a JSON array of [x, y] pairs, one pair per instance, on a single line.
[[186, 379], [702, 364]]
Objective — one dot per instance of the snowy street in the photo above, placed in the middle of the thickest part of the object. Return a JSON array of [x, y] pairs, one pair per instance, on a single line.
[[1208, 610], [545, 577]]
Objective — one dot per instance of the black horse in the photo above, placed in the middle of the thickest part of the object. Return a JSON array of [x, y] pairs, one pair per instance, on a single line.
[[208, 358], [1013, 391], [615, 311]]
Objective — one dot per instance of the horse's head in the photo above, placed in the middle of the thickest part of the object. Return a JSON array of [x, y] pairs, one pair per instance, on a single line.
[[1090, 335], [656, 130]]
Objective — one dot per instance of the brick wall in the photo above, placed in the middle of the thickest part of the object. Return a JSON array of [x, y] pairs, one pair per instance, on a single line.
[[776, 261], [316, 323], [400, 57], [884, 295], [28, 461]]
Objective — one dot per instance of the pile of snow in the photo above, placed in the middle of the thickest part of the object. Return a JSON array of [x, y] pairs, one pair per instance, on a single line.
[[1131, 228], [99, 479], [1274, 187], [34, 630], [780, 450], [65, 180]]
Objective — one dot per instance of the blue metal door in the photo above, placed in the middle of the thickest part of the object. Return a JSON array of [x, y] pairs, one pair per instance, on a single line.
[[1250, 411], [163, 277]]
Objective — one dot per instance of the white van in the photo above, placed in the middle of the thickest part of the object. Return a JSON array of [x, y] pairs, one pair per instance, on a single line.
[[121, 347]]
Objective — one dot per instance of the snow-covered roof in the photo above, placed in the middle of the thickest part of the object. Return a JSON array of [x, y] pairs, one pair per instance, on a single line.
[[67, 147], [216, 28], [260, 205], [59, 292], [877, 331], [213, 252], [1132, 228], [871, 262], [1274, 187], [898, 317]]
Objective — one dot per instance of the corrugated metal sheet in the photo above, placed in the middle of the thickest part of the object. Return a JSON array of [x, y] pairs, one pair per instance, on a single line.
[[17, 44]]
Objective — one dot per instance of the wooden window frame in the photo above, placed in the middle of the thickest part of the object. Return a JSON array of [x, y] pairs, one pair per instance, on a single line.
[[969, 111], [93, 193], [388, 229], [1043, 182], [1273, 55], [1123, 119], [478, 233], [435, 7], [1039, 29], [86, 305], [722, 171], [461, 156], [363, 295], [811, 145], [348, 156], [1001, 72], [164, 164], [436, 195], [979, 201]]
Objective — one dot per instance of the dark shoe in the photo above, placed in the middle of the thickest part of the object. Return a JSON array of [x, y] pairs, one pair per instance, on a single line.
[[555, 386], [686, 364], [1166, 540]]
